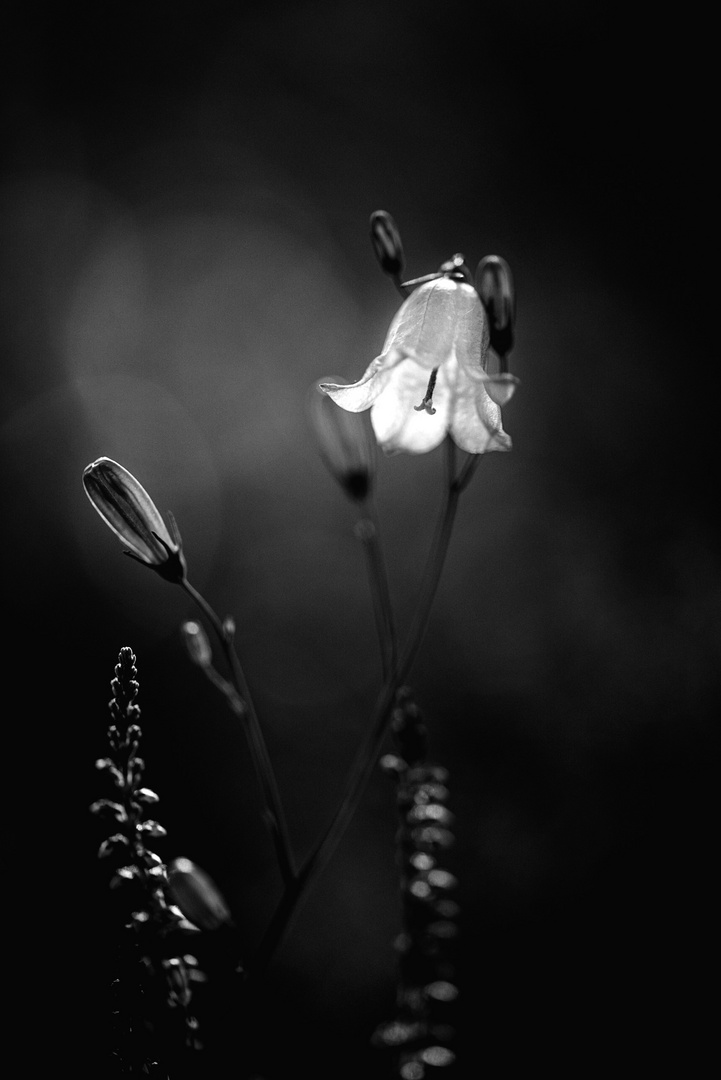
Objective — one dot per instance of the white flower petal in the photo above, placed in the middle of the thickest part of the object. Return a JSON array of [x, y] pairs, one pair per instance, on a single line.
[[470, 344], [397, 424], [476, 425], [360, 395], [437, 319]]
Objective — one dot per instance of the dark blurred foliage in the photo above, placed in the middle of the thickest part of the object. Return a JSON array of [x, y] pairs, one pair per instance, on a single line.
[[185, 201]]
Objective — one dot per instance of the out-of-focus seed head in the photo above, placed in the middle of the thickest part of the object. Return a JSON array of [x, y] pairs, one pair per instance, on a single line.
[[345, 441]]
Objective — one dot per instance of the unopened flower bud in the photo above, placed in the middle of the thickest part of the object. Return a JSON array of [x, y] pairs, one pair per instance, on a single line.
[[387, 245], [345, 441], [197, 644], [495, 288], [501, 387], [124, 505], [197, 896]]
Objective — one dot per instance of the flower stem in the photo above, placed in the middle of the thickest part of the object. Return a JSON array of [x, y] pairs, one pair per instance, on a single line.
[[466, 472], [367, 531], [274, 816], [367, 757]]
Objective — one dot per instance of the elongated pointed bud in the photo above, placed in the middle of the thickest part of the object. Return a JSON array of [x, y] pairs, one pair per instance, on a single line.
[[345, 440], [387, 245], [495, 288], [125, 506], [197, 895]]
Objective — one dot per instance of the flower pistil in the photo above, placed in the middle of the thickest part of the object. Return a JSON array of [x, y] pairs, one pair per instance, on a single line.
[[427, 403]]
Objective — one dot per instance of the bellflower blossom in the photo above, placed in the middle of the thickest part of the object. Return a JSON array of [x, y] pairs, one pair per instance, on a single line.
[[431, 378]]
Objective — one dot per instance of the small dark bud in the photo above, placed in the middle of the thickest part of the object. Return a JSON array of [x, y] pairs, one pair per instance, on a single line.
[[387, 245], [495, 288], [151, 828], [146, 795], [109, 809], [112, 844]]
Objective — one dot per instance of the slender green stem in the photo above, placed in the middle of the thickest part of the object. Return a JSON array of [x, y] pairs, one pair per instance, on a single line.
[[404, 292], [368, 533], [466, 472], [367, 757], [273, 807]]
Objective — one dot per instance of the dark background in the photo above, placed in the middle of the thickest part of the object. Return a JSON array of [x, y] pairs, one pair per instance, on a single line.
[[185, 198]]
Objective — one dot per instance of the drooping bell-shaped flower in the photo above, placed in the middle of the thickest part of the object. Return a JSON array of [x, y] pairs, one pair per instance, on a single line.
[[431, 378], [125, 506]]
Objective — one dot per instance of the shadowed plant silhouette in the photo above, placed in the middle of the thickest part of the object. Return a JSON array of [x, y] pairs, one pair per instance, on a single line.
[[440, 380], [152, 995], [421, 1033]]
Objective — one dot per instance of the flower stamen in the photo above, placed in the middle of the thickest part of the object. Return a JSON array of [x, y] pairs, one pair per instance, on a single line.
[[427, 403]]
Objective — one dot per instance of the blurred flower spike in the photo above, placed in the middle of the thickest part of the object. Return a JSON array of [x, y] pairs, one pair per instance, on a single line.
[[197, 896], [431, 377], [345, 441], [124, 505]]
